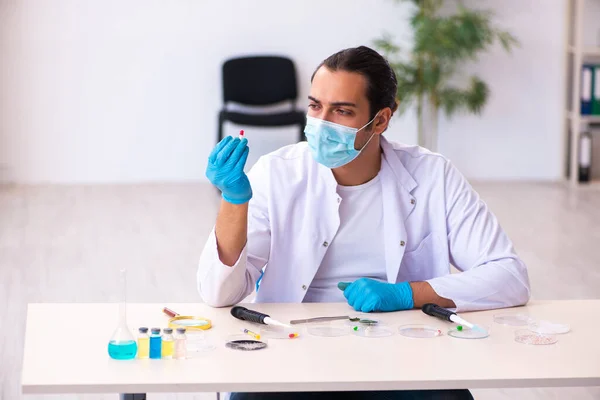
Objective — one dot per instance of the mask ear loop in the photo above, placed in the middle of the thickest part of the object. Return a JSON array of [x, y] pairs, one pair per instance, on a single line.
[[365, 125]]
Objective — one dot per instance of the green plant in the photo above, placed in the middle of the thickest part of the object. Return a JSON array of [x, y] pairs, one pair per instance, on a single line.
[[442, 42]]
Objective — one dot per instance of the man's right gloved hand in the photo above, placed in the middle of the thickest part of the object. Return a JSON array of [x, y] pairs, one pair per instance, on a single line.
[[225, 170]]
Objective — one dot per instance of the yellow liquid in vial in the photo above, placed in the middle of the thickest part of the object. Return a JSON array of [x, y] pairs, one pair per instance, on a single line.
[[143, 347], [167, 348]]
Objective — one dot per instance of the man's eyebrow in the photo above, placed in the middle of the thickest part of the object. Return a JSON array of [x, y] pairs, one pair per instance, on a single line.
[[335, 103]]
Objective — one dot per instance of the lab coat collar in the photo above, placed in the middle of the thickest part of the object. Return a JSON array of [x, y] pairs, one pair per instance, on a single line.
[[403, 177]]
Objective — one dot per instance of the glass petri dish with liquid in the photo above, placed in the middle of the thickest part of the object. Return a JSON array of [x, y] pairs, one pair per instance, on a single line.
[[419, 331], [463, 332]]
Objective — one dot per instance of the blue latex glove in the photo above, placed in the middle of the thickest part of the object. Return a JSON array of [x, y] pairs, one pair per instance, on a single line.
[[368, 295], [226, 170]]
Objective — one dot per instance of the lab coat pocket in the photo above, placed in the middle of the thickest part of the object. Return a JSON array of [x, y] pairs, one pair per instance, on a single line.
[[424, 262]]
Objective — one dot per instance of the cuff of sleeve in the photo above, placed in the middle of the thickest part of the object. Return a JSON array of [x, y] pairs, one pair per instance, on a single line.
[[438, 286], [219, 284]]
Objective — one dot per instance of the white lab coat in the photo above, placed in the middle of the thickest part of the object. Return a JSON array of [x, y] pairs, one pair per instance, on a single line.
[[432, 219]]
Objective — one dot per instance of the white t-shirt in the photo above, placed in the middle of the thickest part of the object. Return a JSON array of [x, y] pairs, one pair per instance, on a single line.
[[358, 242]]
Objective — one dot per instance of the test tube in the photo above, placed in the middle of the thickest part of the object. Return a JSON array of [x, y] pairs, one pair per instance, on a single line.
[[180, 344], [241, 136]]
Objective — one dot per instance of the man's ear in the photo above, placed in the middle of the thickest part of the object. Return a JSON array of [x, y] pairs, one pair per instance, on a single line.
[[382, 121]]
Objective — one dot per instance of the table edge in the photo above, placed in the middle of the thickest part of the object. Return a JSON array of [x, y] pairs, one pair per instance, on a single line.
[[313, 386]]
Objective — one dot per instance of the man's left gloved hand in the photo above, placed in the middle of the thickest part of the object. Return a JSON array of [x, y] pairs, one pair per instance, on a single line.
[[368, 295]]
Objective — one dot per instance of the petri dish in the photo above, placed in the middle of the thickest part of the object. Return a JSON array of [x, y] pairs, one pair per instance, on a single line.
[[526, 336], [419, 331], [468, 333], [245, 343], [278, 332], [513, 319], [328, 330], [549, 328], [372, 331], [196, 343]]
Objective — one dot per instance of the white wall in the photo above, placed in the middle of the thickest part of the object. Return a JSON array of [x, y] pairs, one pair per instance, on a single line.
[[129, 90], [115, 90], [520, 133]]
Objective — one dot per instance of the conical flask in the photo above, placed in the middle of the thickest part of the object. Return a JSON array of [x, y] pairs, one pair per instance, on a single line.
[[122, 345]]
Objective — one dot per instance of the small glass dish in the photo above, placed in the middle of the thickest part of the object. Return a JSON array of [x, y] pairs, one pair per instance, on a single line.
[[372, 331], [328, 329], [480, 332], [549, 328], [513, 319], [196, 343], [419, 331], [525, 336], [245, 343]]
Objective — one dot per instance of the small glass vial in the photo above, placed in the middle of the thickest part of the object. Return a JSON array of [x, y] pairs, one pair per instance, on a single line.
[[168, 343], [155, 343], [143, 343], [180, 344]]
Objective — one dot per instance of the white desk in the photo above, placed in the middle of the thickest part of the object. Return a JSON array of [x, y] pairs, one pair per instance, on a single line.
[[66, 352]]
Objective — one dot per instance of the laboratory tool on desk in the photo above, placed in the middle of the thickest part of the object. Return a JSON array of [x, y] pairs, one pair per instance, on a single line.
[[122, 344], [462, 332], [436, 311], [549, 328], [250, 333], [245, 314], [189, 322], [237, 343], [419, 331], [525, 336], [328, 329], [328, 319], [372, 330], [512, 319]]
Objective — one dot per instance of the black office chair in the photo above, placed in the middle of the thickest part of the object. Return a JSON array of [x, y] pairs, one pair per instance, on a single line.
[[260, 81]]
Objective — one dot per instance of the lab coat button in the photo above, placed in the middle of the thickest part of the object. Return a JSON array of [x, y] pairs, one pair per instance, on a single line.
[[325, 244], [402, 243], [412, 201], [304, 287]]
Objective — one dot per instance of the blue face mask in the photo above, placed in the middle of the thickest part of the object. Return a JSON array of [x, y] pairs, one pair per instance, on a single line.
[[332, 144]]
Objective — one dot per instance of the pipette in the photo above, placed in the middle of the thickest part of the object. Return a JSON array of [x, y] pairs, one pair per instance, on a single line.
[[436, 311], [254, 316]]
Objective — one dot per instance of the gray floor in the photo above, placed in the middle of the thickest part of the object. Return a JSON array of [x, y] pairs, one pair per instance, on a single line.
[[66, 244]]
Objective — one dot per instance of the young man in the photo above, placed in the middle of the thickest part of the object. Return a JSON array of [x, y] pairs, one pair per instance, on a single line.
[[350, 206]]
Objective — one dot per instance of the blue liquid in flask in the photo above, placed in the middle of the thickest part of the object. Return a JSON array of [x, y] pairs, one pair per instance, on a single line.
[[122, 350], [122, 345]]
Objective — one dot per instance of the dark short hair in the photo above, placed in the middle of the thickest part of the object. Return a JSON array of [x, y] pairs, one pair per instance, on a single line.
[[381, 78]]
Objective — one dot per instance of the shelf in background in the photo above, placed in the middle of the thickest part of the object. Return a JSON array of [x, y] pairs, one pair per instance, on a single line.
[[587, 51], [594, 119]]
